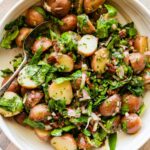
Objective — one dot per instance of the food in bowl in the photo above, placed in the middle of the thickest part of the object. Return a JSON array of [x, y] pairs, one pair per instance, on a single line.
[[82, 85]]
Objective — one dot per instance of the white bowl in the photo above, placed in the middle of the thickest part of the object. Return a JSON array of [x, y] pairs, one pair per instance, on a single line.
[[25, 139]]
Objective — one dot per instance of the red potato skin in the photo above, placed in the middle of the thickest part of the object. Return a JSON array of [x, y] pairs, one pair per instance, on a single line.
[[23, 33], [110, 106], [41, 43], [137, 61], [39, 112], [20, 118], [69, 23], [58, 8], [34, 18], [133, 102], [133, 123], [33, 97], [14, 87], [91, 6]]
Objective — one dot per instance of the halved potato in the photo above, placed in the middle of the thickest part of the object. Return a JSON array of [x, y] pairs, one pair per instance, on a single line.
[[99, 60], [87, 45], [10, 104], [42, 134], [62, 91], [66, 142], [64, 60], [141, 43], [24, 79]]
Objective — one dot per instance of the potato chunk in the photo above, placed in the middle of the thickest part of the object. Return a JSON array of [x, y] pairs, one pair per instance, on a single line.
[[87, 45], [66, 61], [99, 60], [141, 43], [61, 91], [65, 142]]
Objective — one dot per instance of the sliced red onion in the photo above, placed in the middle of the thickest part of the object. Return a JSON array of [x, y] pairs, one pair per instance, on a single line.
[[86, 95], [83, 80], [73, 113]]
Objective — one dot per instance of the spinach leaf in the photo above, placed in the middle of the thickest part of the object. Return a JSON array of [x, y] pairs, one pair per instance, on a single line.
[[59, 105], [86, 132], [19, 22], [111, 10], [141, 110], [34, 124], [131, 30], [41, 11], [104, 27], [115, 39], [17, 61], [36, 58], [112, 141], [53, 35], [5, 73], [69, 40], [74, 76], [9, 37], [58, 132], [82, 119]]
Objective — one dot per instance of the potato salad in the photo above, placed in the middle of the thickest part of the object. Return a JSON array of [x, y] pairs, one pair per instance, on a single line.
[[86, 76]]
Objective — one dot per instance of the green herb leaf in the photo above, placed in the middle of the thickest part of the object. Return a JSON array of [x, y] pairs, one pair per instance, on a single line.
[[9, 37], [56, 132], [112, 141], [111, 10], [5, 73], [34, 124]]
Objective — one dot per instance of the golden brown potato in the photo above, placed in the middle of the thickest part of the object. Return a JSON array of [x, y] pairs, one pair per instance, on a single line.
[[146, 78], [33, 17], [131, 103], [41, 43], [99, 60], [14, 87], [62, 91], [32, 98], [87, 45], [69, 23], [110, 106], [92, 5], [137, 61], [131, 123], [42, 134], [66, 142], [58, 8], [141, 43], [63, 60], [23, 33], [39, 112]]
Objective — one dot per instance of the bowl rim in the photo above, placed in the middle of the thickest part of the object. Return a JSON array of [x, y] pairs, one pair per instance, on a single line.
[[5, 129]]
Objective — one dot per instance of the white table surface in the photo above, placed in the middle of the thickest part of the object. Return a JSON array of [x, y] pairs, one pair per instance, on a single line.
[[5, 5]]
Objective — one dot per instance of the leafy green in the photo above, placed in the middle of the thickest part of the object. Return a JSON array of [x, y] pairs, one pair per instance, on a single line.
[[5, 73], [111, 10], [58, 132], [69, 40], [104, 27], [115, 39], [19, 22], [86, 132], [36, 58], [34, 124], [141, 110], [112, 141], [53, 35], [82, 119], [131, 30], [136, 86], [9, 37], [40, 10], [74, 76], [16, 62], [59, 105]]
